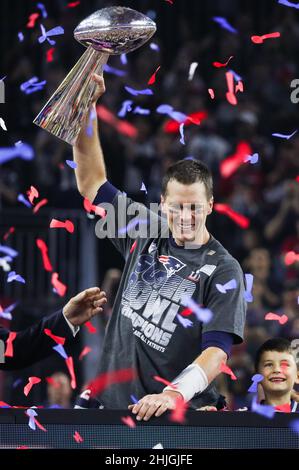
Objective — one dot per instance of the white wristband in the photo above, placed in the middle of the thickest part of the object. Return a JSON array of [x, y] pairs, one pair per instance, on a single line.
[[190, 381]]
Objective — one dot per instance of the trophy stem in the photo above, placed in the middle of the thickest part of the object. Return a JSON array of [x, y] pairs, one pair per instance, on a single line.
[[66, 111]]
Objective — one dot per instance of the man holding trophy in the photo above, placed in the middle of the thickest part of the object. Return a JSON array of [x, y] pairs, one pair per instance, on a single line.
[[162, 275]]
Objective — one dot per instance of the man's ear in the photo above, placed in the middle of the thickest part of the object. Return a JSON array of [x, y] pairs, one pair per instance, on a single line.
[[163, 204], [210, 203]]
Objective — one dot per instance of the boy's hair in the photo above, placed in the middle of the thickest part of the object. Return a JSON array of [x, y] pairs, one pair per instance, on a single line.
[[274, 344], [189, 172]]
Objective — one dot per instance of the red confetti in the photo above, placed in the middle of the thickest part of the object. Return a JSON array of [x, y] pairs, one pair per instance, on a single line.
[[178, 414], [239, 219], [273, 316], [239, 87], [32, 19], [73, 4], [58, 285], [41, 203], [284, 408], [133, 246], [103, 381], [211, 93], [57, 339], [70, 365], [4, 405], [9, 344], [232, 163], [260, 39], [53, 382], [172, 127], [219, 64], [186, 312], [224, 368], [22, 447], [78, 437], [91, 329], [297, 178], [88, 206], [128, 421], [32, 381], [32, 194], [68, 225], [153, 77], [9, 232], [86, 350], [291, 257], [44, 250], [164, 381], [123, 127], [230, 95], [50, 53], [39, 425]]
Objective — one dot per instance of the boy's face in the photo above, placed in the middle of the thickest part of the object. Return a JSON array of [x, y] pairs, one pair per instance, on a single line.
[[279, 370], [186, 207]]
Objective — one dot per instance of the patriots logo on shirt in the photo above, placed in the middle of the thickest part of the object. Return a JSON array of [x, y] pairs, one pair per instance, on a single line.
[[171, 264]]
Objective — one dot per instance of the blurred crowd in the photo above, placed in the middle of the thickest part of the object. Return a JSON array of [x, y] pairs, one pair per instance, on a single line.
[[266, 192]]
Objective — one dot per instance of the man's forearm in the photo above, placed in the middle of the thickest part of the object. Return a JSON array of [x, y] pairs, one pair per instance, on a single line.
[[210, 361], [91, 170]]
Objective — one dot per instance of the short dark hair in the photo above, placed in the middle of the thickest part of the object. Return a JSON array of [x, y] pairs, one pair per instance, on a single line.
[[189, 172], [273, 344]]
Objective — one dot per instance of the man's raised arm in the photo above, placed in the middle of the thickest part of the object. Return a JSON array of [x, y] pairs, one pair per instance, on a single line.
[[91, 170]]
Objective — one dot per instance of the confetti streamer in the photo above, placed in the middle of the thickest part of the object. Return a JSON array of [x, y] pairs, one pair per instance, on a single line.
[[88, 206], [133, 246], [178, 414], [186, 312], [285, 136], [8, 251], [21, 198], [267, 411], [239, 219], [32, 19], [173, 126], [78, 437], [114, 71], [142, 111], [192, 69], [2, 124], [226, 370], [58, 285], [86, 350], [220, 64], [73, 4], [40, 204], [32, 85], [68, 225], [123, 127], [154, 46], [228, 286], [203, 315], [133, 399], [184, 321], [71, 164], [273, 316], [252, 158], [143, 188], [12, 276], [31, 381], [21, 36], [47, 34], [123, 59], [70, 365], [132, 91], [230, 164], [261, 39], [9, 344], [91, 329], [211, 93], [153, 77], [230, 95], [32, 193], [164, 381], [101, 382], [158, 446], [60, 349], [286, 408], [255, 381], [289, 4], [128, 421], [291, 257], [249, 283], [224, 24], [53, 382], [44, 251], [31, 413], [49, 56], [41, 7], [182, 139], [125, 108], [57, 339], [10, 231]]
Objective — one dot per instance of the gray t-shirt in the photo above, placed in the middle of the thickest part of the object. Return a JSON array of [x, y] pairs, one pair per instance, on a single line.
[[144, 332]]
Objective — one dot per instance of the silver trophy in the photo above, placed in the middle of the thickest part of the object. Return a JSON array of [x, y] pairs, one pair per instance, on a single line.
[[109, 31]]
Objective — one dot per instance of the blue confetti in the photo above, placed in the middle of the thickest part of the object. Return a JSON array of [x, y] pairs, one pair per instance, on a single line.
[[225, 24], [12, 276], [203, 314], [285, 136], [132, 91], [60, 349], [252, 158], [71, 164], [114, 71], [41, 6], [47, 34], [126, 107], [184, 321], [228, 286], [249, 283], [21, 198], [255, 380], [286, 3]]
